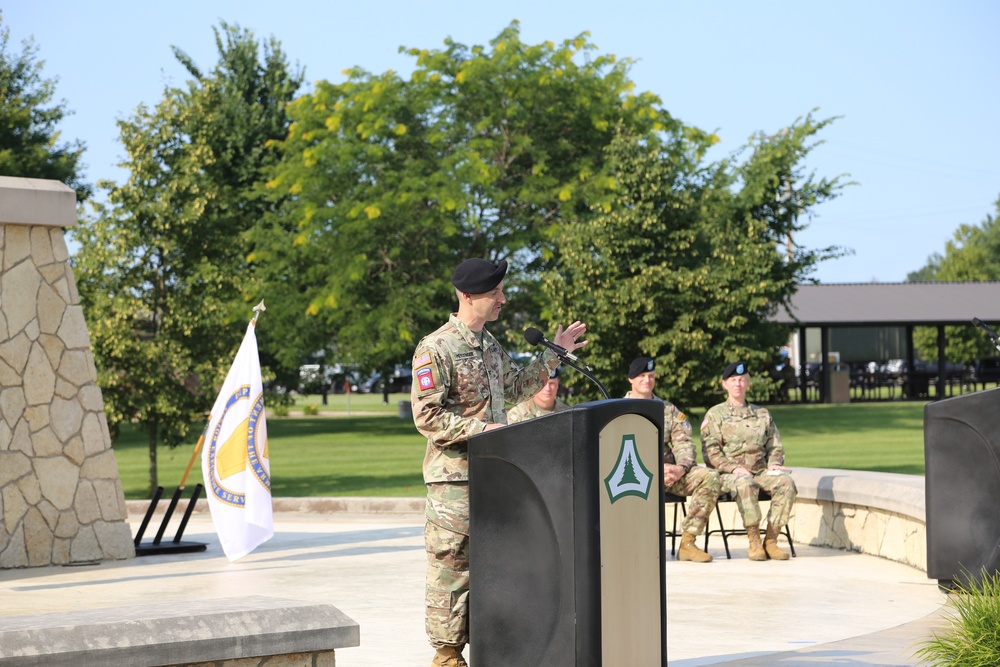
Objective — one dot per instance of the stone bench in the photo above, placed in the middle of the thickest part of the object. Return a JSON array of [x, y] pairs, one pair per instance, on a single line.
[[881, 514], [249, 631]]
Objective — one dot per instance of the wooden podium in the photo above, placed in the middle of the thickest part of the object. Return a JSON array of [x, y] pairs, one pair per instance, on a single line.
[[567, 539]]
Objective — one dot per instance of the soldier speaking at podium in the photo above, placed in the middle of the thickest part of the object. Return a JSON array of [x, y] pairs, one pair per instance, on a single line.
[[462, 380]]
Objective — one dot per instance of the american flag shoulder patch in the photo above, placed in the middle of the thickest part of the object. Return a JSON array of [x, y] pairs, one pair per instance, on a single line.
[[421, 361]]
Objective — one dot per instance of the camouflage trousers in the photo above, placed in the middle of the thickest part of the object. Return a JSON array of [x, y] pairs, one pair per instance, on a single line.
[[446, 540], [702, 487], [780, 487]]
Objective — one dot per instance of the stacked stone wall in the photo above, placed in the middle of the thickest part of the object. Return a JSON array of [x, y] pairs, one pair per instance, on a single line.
[[60, 495]]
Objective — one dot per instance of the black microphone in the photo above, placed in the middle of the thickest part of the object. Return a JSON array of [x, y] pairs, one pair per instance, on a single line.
[[993, 334], [535, 337]]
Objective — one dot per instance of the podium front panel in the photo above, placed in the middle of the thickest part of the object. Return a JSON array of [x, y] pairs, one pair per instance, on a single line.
[[541, 545], [962, 478], [631, 542]]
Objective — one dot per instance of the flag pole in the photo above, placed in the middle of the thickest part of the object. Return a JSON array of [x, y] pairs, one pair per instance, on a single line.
[[197, 448]]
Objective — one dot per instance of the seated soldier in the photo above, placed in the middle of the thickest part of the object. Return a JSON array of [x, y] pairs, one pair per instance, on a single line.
[[740, 440], [681, 474], [542, 403]]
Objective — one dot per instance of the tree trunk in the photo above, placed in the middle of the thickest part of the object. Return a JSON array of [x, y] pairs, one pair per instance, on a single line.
[[153, 482]]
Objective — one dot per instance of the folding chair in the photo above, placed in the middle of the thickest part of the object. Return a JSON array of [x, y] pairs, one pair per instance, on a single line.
[[726, 532], [674, 532]]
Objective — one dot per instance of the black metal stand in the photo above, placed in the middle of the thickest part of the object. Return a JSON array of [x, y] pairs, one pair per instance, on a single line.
[[175, 546]]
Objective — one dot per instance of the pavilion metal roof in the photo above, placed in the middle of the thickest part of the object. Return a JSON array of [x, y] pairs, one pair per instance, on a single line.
[[893, 304]]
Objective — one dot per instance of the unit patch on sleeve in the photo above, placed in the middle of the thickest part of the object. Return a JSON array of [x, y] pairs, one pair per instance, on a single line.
[[425, 378]]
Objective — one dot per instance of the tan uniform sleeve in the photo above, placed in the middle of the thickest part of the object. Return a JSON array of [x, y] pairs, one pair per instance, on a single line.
[[432, 372], [677, 436], [520, 384], [772, 445]]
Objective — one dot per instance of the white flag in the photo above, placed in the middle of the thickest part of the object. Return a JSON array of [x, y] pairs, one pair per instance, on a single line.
[[235, 460]]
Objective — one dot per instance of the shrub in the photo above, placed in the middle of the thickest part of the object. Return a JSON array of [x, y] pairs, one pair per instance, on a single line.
[[310, 410], [280, 410], [971, 637]]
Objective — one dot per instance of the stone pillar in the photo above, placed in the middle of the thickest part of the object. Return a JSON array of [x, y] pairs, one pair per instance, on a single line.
[[60, 495]]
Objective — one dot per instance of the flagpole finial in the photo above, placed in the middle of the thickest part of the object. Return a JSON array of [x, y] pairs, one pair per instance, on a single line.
[[257, 310]]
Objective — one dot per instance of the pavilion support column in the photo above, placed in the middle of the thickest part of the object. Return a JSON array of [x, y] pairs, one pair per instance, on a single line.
[[942, 373], [909, 388], [801, 356], [824, 366]]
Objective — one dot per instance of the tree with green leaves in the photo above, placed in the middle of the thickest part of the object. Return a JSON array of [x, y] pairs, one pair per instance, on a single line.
[[691, 259], [972, 254], [390, 182], [29, 118], [162, 267]]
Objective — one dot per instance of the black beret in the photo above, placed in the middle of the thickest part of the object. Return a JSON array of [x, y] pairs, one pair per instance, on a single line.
[[639, 366], [735, 368], [477, 276], [554, 373]]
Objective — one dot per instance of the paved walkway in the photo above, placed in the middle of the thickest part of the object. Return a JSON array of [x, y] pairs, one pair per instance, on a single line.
[[824, 607]]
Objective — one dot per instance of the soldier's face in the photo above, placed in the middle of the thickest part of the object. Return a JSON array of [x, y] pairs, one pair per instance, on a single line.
[[736, 386], [488, 304], [546, 397], [643, 383]]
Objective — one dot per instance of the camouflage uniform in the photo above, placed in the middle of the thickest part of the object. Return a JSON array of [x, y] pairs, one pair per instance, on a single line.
[[699, 484], [461, 383], [529, 410], [745, 436]]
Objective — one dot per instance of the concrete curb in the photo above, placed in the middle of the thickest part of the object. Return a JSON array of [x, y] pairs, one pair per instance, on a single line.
[[346, 505]]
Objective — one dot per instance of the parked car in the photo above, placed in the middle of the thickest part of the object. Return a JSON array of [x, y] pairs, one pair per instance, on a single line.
[[399, 383], [987, 370], [317, 379]]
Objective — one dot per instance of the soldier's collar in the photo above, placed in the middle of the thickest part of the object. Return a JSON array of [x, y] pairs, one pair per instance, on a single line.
[[470, 336], [747, 409]]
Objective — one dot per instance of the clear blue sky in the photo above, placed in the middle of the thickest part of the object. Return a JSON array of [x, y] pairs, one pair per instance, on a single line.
[[917, 84]]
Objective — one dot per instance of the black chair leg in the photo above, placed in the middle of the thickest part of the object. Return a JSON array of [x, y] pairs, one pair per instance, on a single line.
[[788, 535], [725, 533], [721, 530], [673, 531]]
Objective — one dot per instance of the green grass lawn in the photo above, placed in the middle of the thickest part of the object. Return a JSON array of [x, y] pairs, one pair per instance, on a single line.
[[373, 452], [884, 437]]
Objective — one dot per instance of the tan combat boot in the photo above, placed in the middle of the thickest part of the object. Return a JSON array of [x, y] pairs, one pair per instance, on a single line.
[[756, 551], [449, 656], [771, 544], [690, 551]]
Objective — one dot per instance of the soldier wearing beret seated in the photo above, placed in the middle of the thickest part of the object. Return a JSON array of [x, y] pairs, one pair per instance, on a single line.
[[740, 440]]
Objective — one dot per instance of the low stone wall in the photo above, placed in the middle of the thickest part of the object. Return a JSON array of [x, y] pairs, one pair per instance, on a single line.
[[229, 632], [881, 514]]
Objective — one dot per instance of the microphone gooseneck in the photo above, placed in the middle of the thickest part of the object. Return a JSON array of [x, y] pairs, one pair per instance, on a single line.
[[535, 337], [994, 337]]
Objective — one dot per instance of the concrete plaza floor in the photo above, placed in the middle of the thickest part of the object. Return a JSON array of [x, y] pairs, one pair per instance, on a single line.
[[825, 607]]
